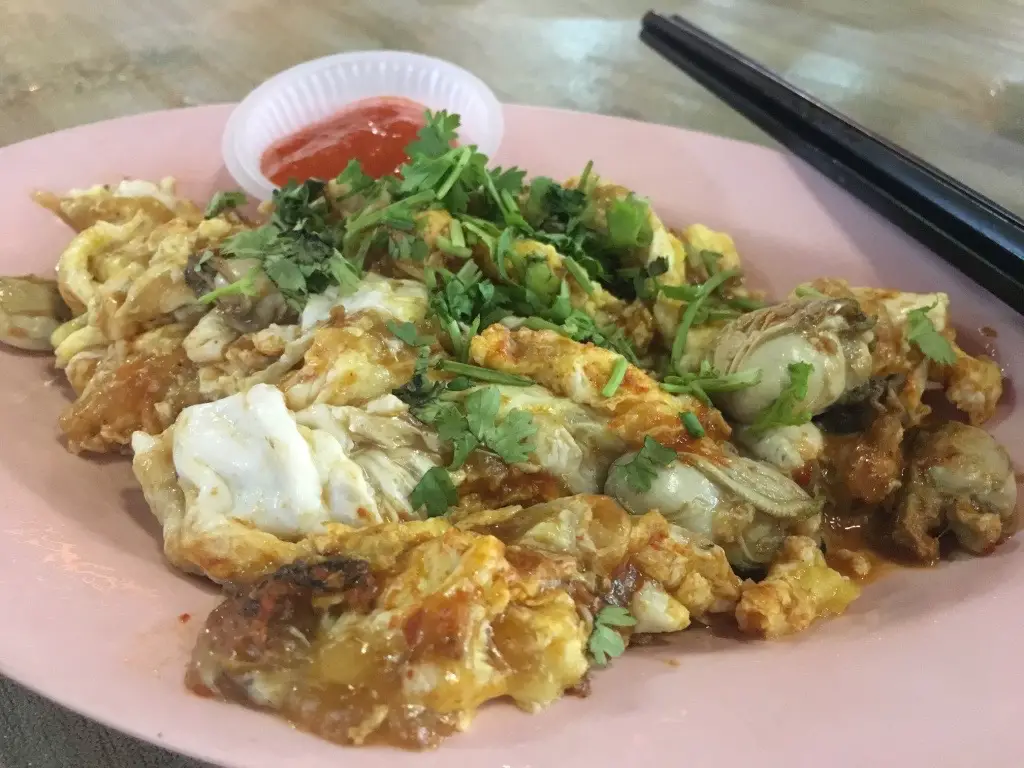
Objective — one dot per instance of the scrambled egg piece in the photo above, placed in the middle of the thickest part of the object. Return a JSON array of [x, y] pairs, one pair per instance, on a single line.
[[354, 357], [397, 633], [230, 363], [974, 386], [235, 481], [580, 371], [799, 589]]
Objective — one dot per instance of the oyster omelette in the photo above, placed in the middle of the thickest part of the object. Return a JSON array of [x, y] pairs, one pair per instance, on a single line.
[[453, 436]]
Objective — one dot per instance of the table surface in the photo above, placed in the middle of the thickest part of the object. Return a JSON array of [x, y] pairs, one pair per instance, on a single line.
[[944, 79]]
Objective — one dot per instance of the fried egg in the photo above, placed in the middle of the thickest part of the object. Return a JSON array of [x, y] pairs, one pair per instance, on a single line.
[[401, 300]]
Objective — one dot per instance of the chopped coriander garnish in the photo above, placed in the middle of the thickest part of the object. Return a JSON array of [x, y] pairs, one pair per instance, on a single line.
[[605, 641], [353, 179], [808, 292], [692, 424], [509, 438], [446, 245], [615, 379], [456, 235], [435, 492], [629, 223], [463, 303], [299, 248], [690, 314], [407, 332], [744, 303], [246, 286], [786, 410], [484, 374], [640, 471], [472, 423], [401, 209], [707, 379], [921, 332], [683, 292], [644, 279], [710, 259], [480, 230], [225, 201], [584, 182], [579, 273]]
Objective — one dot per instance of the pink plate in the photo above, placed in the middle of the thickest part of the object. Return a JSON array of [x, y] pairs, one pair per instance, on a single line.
[[90, 610]]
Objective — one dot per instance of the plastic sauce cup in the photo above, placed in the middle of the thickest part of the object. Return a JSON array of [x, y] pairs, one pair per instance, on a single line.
[[315, 90]]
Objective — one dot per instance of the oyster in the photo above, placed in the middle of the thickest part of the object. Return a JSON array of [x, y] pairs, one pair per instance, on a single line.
[[959, 477], [790, 449], [832, 335], [746, 507]]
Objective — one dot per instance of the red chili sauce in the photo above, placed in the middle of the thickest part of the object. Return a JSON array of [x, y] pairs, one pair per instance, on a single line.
[[373, 131]]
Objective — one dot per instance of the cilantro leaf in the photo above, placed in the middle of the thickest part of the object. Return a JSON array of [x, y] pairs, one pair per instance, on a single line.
[[615, 616], [288, 275], [508, 439], [473, 423], [640, 471], [512, 438], [552, 208], [463, 303], [921, 332], [435, 492], [786, 410], [482, 409], [605, 641], [407, 332], [510, 180], [419, 392], [629, 223], [225, 201], [251, 243], [299, 247], [452, 426], [436, 136], [353, 179]]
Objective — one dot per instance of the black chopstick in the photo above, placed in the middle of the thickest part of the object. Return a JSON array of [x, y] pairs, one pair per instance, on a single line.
[[978, 237]]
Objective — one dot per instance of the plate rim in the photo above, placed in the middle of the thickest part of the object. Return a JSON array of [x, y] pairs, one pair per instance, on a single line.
[[224, 109]]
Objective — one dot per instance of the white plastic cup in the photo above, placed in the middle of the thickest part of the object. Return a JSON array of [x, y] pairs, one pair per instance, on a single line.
[[315, 90]]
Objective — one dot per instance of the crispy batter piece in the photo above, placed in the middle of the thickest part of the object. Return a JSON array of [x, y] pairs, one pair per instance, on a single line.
[[958, 479], [799, 589]]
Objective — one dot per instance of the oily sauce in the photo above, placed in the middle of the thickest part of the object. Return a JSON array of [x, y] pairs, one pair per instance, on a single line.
[[373, 131]]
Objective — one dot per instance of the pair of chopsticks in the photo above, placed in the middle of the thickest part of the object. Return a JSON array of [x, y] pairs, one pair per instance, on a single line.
[[978, 237]]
